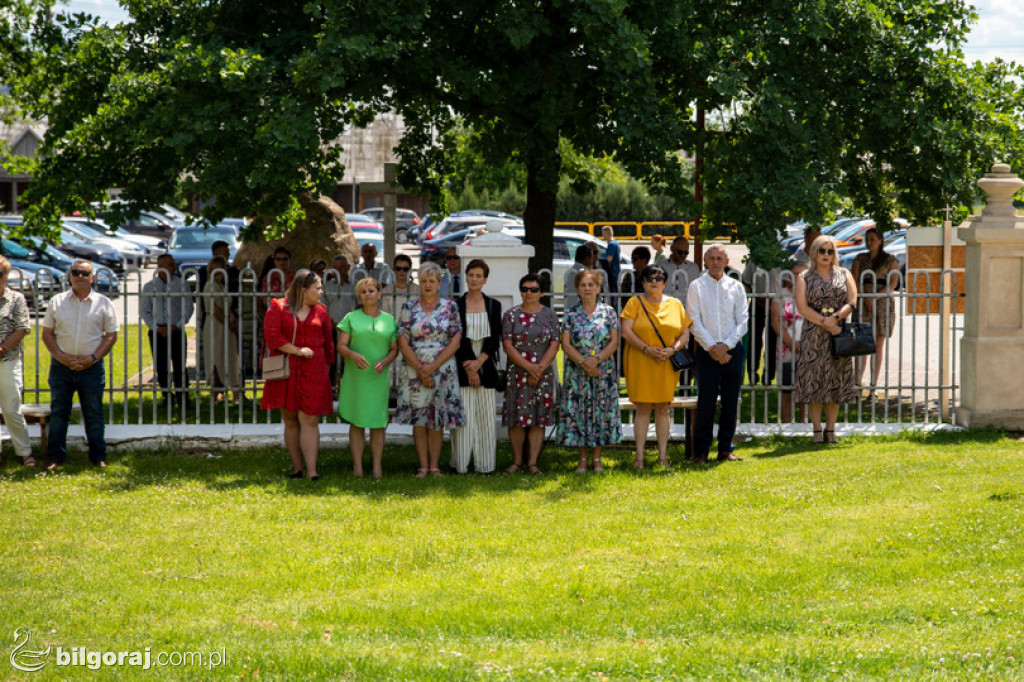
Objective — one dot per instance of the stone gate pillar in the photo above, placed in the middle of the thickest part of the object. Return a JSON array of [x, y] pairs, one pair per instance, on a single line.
[[992, 349]]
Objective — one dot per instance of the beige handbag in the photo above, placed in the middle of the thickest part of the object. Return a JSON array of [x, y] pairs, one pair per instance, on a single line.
[[275, 367]]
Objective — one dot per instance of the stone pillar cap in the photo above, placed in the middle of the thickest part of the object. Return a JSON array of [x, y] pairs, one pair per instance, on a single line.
[[999, 186]]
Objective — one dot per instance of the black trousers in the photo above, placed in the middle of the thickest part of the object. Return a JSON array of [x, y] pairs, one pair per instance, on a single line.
[[714, 380], [169, 358], [763, 339]]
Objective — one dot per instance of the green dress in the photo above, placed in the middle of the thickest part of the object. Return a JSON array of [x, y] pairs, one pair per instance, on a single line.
[[364, 393]]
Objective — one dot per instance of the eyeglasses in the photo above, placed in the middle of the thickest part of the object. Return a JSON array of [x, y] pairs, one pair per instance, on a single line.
[[826, 252], [405, 269], [656, 278], [81, 273], [529, 290], [681, 253], [453, 257]]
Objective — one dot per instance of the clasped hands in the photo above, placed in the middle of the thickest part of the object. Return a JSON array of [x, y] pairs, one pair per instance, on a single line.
[[79, 362], [363, 363], [720, 353], [472, 368], [426, 374], [589, 366], [831, 324], [306, 353]]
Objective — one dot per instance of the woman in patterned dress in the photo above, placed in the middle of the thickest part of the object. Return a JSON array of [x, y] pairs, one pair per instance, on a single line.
[[589, 416], [429, 333], [530, 339], [299, 326], [880, 310], [825, 296]]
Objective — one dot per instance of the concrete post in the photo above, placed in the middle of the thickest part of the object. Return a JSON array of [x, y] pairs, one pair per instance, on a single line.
[[992, 349], [506, 256]]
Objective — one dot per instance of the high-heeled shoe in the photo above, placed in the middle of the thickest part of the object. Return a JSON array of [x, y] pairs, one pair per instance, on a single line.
[[817, 436], [830, 436], [297, 474]]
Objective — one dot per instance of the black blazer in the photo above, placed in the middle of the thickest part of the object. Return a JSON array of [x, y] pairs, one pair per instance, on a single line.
[[492, 344]]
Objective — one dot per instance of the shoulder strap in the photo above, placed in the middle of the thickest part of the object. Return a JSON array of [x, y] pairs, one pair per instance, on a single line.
[[651, 320]]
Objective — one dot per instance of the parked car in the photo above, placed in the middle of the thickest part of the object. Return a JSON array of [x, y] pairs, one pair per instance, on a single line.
[[132, 254], [154, 245], [431, 229], [565, 244], [190, 244], [35, 281], [366, 231], [150, 223], [405, 220], [895, 243], [76, 247]]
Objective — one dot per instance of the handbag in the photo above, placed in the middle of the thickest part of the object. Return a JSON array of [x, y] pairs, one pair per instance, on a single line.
[[854, 339], [276, 367], [681, 359]]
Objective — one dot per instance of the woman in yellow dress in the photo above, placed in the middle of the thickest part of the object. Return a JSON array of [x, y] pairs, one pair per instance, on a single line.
[[650, 380]]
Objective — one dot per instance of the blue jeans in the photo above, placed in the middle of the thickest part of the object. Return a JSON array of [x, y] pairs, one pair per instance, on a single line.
[[64, 383], [714, 379]]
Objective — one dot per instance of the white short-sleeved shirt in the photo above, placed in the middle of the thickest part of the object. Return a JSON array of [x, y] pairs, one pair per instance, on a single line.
[[80, 325]]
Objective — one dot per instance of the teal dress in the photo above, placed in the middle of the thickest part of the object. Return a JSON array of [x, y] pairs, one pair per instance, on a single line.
[[363, 401]]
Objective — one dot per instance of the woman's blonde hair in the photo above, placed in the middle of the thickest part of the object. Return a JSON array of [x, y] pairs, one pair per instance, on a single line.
[[365, 282], [429, 269], [820, 243]]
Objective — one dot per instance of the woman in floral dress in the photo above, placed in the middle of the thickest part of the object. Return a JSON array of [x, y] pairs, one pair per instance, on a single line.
[[429, 333], [589, 415], [530, 339]]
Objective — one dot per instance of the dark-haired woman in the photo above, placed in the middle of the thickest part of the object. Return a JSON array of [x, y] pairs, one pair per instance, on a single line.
[[880, 309], [298, 326], [530, 339]]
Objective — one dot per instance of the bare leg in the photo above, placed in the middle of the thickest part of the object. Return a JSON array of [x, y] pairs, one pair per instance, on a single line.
[[662, 427], [435, 441], [640, 425], [291, 438], [357, 442], [581, 465], [786, 410], [377, 451], [831, 414], [598, 467], [516, 437], [535, 438], [815, 412], [878, 357], [419, 437], [309, 437]]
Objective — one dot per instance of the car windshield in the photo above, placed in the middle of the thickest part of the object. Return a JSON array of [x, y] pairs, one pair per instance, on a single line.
[[359, 218], [201, 239], [15, 250], [87, 229]]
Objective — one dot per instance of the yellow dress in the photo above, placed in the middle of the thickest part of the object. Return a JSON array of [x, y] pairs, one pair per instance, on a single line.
[[647, 380]]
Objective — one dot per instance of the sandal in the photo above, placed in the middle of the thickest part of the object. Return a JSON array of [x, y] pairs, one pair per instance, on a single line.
[[436, 473], [297, 474], [30, 461], [535, 470], [638, 463], [830, 436], [581, 468], [817, 436], [598, 468], [421, 472], [514, 468], [664, 464]]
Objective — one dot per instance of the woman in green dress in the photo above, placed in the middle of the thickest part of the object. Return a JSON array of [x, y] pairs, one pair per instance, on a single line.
[[368, 342]]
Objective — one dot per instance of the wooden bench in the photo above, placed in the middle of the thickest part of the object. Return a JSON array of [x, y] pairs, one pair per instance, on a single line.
[[39, 413], [680, 402]]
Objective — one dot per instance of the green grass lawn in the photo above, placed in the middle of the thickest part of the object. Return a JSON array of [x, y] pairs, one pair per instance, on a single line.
[[897, 557]]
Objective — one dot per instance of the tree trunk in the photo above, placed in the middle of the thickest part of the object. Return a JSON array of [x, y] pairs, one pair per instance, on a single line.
[[541, 201]]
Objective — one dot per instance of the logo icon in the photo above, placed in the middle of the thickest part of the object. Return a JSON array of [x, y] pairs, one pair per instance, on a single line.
[[24, 659]]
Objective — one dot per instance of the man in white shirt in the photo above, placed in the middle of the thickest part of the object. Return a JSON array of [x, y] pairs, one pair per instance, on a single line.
[[718, 307], [79, 328], [369, 267], [678, 284], [166, 307]]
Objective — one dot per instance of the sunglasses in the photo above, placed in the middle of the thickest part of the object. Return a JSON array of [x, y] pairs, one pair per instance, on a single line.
[[656, 278], [452, 257], [680, 253], [405, 269], [281, 259], [529, 290], [826, 252], [81, 273]]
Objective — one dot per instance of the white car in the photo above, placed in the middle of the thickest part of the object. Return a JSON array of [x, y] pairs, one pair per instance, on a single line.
[[154, 245], [132, 254], [566, 243]]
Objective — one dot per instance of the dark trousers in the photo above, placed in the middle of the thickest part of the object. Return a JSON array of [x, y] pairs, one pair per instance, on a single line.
[[714, 380], [763, 339], [64, 383], [169, 356]]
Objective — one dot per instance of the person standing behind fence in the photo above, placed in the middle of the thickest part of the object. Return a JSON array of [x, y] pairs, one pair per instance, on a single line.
[[530, 339], [612, 258], [678, 284], [825, 295], [788, 325], [429, 334], [404, 289], [298, 326], [880, 311], [476, 361], [654, 326], [718, 306], [14, 325], [220, 333], [79, 329], [586, 257], [368, 342], [166, 307], [589, 416], [658, 244]]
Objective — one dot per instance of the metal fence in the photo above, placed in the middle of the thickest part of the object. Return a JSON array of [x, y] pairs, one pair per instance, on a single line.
[[917, 379]]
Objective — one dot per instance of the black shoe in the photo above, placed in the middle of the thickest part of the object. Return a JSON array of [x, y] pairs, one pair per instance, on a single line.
[[297, 474]]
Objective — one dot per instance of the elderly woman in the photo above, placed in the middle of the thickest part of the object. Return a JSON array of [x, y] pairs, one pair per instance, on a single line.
[[825, 295], [589, 417], [220, 330], [298, 326], [14, 324], [429, 334], [530, 339], [368, 341], [879, 310], [654, 326], [477, 361]]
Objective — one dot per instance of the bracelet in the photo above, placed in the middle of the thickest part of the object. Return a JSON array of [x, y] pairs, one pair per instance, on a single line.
[[93, 356]]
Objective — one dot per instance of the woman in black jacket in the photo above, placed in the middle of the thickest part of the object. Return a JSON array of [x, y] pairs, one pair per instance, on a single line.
[[477, 361]]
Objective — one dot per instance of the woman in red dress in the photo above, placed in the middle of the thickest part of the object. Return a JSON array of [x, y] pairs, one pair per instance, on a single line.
[[299, 326]]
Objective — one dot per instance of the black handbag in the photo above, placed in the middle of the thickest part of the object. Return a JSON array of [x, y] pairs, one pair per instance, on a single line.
[[681, 359], [854, 339]]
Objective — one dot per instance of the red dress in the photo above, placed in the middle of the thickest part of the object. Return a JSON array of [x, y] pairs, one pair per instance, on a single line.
[[308, 388]]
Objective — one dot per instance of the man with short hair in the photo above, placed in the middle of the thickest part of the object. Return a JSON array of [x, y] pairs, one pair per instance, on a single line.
[[802, 257], [612, 258], [451, 281], [718, 307], [79, 329], [678, 285], [166, 310], [369, 267]]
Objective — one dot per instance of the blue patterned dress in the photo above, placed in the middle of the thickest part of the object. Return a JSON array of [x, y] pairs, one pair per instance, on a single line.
[[589, 415], [441, 406]]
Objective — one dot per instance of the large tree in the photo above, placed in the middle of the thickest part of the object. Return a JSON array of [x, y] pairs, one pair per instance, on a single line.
[[809, 101]]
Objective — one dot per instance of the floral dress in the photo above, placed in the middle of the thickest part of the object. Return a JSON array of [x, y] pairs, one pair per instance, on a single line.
[[531, 334], [428, 333], [589, 415]]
